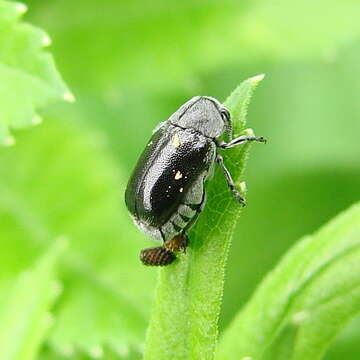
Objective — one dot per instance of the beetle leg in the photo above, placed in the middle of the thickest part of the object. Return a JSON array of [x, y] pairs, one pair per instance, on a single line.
[[162, 236], [177, 243], [185, 243], [229, 180], [240, 140]]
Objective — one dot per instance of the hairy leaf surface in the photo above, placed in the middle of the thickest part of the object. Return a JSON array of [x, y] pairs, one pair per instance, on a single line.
[[189, 293], [305, 301]]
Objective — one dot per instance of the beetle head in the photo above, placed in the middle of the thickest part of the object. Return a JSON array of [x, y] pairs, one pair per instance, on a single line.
[[204, 114]]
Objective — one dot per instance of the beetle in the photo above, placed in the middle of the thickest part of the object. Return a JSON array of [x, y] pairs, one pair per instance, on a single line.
[[165, 193]]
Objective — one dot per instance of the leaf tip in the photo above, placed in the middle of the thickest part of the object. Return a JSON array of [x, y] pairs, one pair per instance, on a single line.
[[69, 97], [46, 40], [21, 8], [257, 78]]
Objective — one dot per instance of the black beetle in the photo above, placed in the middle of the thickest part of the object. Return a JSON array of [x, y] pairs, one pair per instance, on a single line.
[[165, 192]]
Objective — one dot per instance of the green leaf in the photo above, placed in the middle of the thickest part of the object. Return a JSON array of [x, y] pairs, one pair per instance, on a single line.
[[285, 29], [305, 301], [193, 42], [188, 298], [25, 315], [68, 184], [28, 76]]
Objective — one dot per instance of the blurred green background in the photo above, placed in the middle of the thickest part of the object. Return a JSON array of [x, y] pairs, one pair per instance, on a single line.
[[130, 64]]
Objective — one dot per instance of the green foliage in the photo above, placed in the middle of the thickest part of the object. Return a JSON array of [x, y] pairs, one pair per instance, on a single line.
[[188, 298], [73, 175], [198, 38], [130, 65], [25, 314], [305, 301], [285, 29], [28, 77]]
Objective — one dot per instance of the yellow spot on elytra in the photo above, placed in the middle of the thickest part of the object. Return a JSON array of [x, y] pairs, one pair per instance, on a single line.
[[178, 175], [176, 141], [181, 189]]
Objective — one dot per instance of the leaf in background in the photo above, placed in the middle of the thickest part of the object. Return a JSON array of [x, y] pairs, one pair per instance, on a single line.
[[25, 314], [28, 77], [285, 29], [188, 298], [172, 54], [302, 304], [347, 345], [193, 40], [308, 161], [68, 184]]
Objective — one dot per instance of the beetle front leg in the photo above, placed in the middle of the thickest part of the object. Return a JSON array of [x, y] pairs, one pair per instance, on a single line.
[[240, 140], [229, 180]]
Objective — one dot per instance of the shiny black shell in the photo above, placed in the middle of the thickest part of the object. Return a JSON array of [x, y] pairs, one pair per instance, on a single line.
[[172, 162]]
